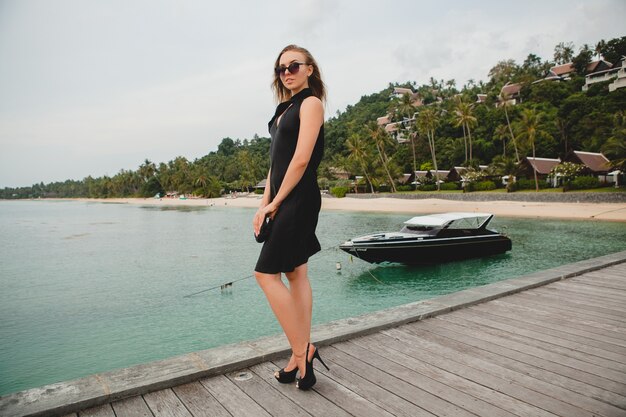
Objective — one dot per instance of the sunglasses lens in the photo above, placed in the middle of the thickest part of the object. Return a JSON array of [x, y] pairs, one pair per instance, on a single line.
[[294, 68]]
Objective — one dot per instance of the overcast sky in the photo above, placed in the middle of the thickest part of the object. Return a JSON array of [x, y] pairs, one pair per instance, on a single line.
[[90, 87]]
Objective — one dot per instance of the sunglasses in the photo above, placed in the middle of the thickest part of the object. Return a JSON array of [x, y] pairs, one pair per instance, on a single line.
[[293, 68]]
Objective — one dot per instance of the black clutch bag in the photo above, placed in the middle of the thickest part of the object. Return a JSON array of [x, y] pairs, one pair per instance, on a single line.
[[264, 232]]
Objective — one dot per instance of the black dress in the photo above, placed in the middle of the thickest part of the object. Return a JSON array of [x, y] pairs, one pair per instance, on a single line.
[[292, 239]]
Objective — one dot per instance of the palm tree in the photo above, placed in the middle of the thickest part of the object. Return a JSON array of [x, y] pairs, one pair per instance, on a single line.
[[504, 102], [530, 128], [501, 133], [428, 120], [464, 117], [405, 106], [615, 146], [358, 152], [502, 165], [382, 139]]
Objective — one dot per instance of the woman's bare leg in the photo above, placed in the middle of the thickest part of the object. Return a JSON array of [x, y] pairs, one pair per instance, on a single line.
[[293, 308]]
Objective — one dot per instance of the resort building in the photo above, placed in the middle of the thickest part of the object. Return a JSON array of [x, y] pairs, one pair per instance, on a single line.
[[399, 92], [261, 184], [606, 72], [512, 94], [339, 173], [383, 120], [595, 164], [620, 76], [481, 98], [456, 173], [542, 166]]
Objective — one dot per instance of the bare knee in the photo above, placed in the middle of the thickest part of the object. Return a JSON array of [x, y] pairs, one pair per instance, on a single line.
[[300, 272], [264, 279]]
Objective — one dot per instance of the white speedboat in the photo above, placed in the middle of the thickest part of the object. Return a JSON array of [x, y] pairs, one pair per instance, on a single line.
[[431, 239]]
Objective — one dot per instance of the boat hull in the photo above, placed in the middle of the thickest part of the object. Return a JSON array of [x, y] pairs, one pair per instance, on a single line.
[[428, 251]]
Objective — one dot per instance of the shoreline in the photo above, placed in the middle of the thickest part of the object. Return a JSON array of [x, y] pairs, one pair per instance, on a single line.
[[502, 208]]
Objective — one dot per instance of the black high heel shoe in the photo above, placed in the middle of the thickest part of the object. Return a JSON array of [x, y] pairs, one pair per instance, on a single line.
[[286, 377], [309, 377]]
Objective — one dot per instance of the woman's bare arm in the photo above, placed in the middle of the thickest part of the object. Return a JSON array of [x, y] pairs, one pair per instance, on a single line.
[[311, 120]]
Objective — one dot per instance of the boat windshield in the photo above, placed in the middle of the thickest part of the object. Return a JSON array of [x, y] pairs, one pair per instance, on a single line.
[[468, 223], [417, 229]]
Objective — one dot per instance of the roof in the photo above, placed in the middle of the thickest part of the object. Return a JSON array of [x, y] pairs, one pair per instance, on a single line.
[[481, 98], [562, 69], [567, 68], [400, 90], [391, 127], [441, 219], [440, 171], [596, 162], [543, 165], [599, 65], [511, 89], [383, 120], [404, 178]]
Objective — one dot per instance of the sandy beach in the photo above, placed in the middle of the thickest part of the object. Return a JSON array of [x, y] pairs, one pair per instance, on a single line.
[[578, 211]]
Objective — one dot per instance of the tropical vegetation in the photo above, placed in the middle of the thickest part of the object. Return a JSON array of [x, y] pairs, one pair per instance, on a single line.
[[448, 126]]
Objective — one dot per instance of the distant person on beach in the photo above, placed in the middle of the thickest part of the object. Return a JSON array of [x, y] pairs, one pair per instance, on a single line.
[[292, 202]]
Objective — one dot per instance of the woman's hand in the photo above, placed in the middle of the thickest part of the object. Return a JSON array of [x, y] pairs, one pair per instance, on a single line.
[[263, 212]]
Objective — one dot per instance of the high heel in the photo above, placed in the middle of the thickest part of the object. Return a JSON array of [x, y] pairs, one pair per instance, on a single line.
[[309, 377], [286, 377]]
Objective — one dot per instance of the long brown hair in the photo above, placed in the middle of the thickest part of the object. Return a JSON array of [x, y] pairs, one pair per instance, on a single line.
[[318, 88]]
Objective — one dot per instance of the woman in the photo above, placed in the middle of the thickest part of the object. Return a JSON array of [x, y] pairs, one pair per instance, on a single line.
[[292, 202]]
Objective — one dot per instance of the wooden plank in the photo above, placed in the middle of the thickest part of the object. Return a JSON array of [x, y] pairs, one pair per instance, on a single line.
[[524, 333], [504, 345], [265, 395], [104, 410], [354, 381], [232, 398], [547, 379], [199, 400], [568, 291], [447, 393], [600, 283], [531, 390], [458, 375], [483, 319], [579, 304], [541, 330], [313, 402], [593, 320], [556, 340], [574, 335], [573, 319], [165, 403], [532, 300], [131, 407], [579, 382], [583, 299], [388, 380], [602, 277], [329, 399], [614, 295], [571, 290]]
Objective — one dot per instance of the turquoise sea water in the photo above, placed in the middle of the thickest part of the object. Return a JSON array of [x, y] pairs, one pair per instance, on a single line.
[[89, 287]]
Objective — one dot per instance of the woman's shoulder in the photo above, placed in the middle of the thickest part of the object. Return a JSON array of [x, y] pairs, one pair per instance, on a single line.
[[312, 104]]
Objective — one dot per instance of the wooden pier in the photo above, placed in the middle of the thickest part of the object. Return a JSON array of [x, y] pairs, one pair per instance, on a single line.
[[552, 350]]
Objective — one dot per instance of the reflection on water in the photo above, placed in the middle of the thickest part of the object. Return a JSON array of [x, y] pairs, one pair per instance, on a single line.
[[89, 287]]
